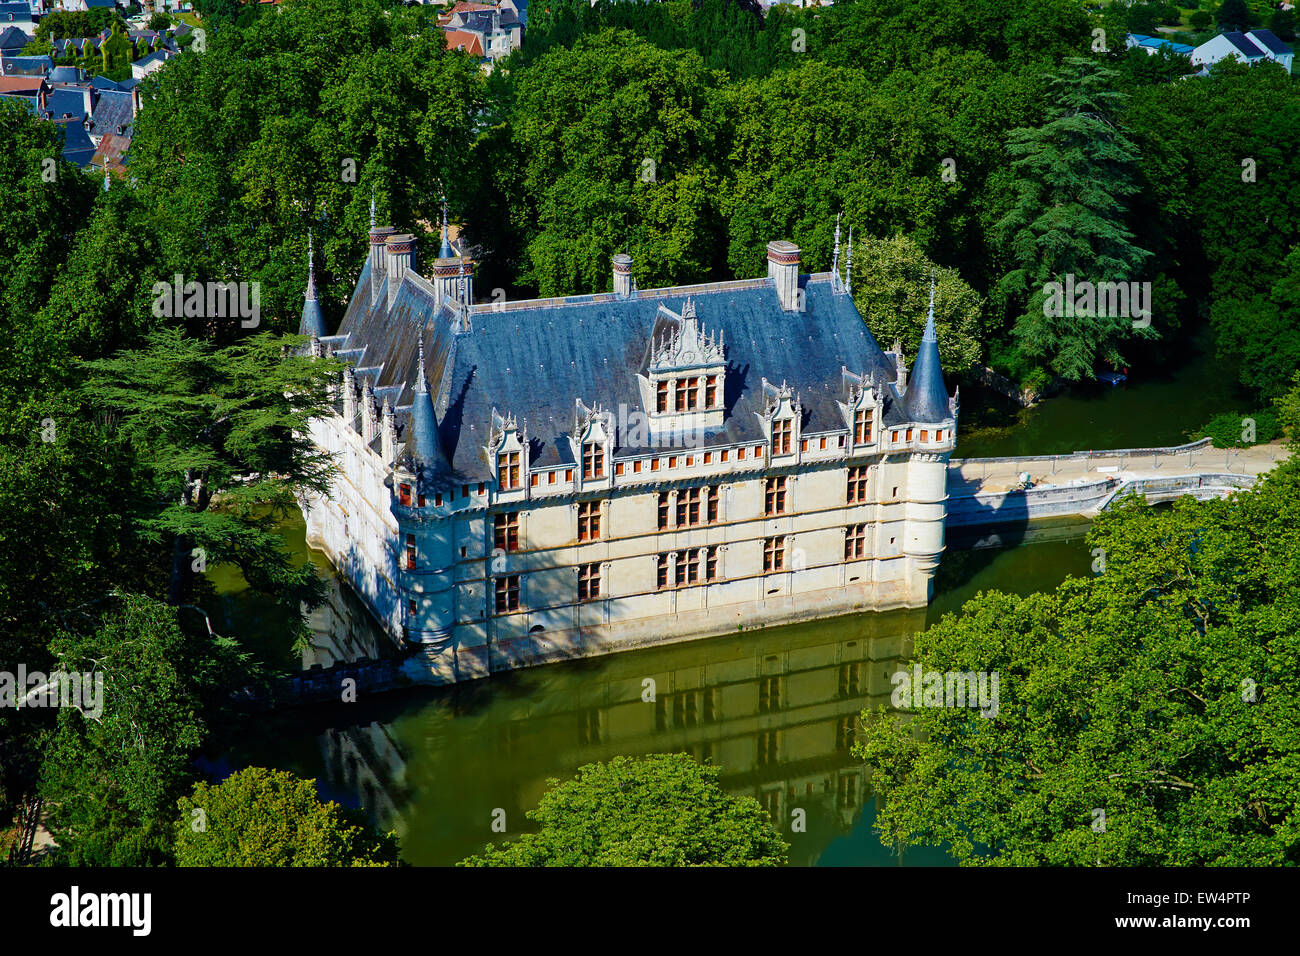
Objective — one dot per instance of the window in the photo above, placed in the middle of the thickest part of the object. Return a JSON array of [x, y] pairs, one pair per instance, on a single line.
[[725, 453], [681, 395], [688, 566], [861, 427], [774, 499], [568, 474], [410, 552], [938, 436], [508, 470], [688, 507], [505, 530], [588, 520], [507, 593], [588, 582], [774, 553], [711, 563], [857, 485], [550, 477], [618, 469], [661, 397], [692, 393], [909, 434], [711, 392], [712, 511], [663, 572], [404, 494], [855, 542], [769, 695], [437, 500], [925, 435], [663, 510], [780, 437], [412, 608], [844, 733], [593, 460], [533, 479], [636, 466], [893, 436]]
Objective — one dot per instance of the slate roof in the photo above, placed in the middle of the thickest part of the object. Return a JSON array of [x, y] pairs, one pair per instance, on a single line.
[[104, 83], [535, 360], [112, 110], [71, 74], [1269, 40], [15, 13], [66, 99], [1244, 44], [77, 147], [11, 38], [27, 65]]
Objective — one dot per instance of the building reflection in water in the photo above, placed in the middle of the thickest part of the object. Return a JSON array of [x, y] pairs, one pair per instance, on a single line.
[[777, 710]]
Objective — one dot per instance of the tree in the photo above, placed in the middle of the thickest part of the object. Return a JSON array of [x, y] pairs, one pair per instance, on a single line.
[[891, 287], [1233, 15], [1145, 716], [260, 817], [1074, 174], [1283, 24], [221, 434], [660, 810], [110, 777]]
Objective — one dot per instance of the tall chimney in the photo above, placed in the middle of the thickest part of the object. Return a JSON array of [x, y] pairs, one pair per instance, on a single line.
[[783, 268], [378, 257], [622, 275], [401, 259]]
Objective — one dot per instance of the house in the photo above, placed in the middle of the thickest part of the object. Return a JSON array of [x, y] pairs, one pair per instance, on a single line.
[[114, 114], [499, 29], [110, 155], [530, 481], [471, 43], [150, 64], [1257, 46], [19, 16]]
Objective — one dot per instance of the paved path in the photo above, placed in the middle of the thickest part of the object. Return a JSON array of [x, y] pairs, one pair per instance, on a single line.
[[976, 476]]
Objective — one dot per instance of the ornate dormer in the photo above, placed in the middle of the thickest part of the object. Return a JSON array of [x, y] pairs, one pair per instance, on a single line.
[[369, 413], [861, 409], [507, 452], [387, 433], [781, 418], [593, 444], [349, 396], [684, 388]]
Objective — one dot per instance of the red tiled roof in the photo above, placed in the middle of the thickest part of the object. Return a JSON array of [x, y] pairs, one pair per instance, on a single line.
[[471, 43], [21, 84]]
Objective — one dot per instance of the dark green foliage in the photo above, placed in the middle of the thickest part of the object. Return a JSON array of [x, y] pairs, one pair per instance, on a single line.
[[660, 810], [1160, 692], [1233, 15], [260, 817], [1232, 429]]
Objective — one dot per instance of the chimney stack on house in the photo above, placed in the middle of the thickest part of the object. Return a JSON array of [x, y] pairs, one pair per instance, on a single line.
[[400, 252], [783, 269], [622, 275]]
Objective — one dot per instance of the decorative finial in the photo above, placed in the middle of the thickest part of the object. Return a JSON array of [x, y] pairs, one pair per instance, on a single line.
[[372, 205], [848, 269], [835, 256], [421, 386], [311, 272]]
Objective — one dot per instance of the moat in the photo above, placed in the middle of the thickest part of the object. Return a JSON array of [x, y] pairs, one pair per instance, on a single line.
[[773, 708]]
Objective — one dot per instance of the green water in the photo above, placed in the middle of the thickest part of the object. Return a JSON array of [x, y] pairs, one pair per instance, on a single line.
[[436, 765], [1141, 413]]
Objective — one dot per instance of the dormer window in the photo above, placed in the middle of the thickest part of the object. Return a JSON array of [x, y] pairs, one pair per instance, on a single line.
[[781, 437], [862, 426], [593, 460], [508, 470], [683, 380]]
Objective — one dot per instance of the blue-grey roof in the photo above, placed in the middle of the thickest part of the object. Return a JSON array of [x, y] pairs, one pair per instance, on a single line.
[[1269, 40], [28, 65], [104, 83], [536, 360], [69, 100], [1243, 43], [11, 38], [110, 4], [69, 74], [926, 398], [128, 84], [312, 322], [112, 110], [15, 13], [77, 147]]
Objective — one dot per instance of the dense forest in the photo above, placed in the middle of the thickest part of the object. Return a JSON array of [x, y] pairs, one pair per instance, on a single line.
[[996, 144]]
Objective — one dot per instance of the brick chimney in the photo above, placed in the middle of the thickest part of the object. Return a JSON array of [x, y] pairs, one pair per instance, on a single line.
[[783, 268]]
